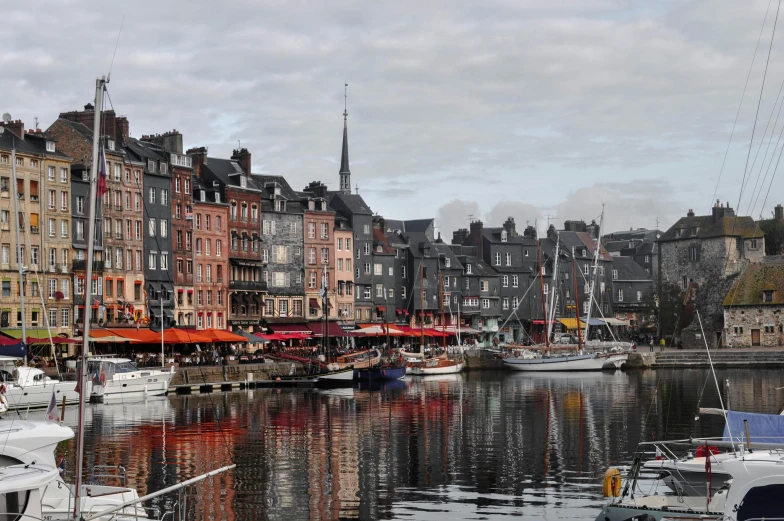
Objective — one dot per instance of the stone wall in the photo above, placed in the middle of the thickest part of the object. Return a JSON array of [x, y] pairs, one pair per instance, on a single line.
[[751, 318]]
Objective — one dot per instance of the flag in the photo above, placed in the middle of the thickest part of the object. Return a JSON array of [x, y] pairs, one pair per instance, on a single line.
[[51, 412], [101, 174], [78, 388]]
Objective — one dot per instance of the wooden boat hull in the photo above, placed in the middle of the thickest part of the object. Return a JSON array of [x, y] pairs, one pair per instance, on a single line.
[[566, 363], [380, 373], [427, 368], [358, 361]]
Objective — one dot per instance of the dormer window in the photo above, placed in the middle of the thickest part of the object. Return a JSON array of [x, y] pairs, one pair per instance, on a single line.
[[151, 165], [447, 262], [503, 236], [468, 269], [767, 295], [280, 205], [217, 197], [85, 175], [311, 205], [203, 195], [50, 146], [615, 274], [694, 231], [379, 249], [164, 168], [110, 144], [243, 182], [677, 232]]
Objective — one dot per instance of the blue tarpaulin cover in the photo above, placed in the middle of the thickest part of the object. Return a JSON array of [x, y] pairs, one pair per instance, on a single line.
[[763, 428], [16, 350]]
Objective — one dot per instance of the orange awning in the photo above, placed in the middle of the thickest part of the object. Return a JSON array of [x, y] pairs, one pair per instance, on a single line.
[[220, 335]]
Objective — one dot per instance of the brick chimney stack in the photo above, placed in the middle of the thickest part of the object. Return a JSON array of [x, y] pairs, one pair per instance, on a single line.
[[509, 226], [575, 226], [458, 236], [530, 231], [690, 213], [242, 156], [17, 127], [198, 157]]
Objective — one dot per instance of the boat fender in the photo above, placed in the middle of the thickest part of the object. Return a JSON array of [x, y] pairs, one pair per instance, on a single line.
[[700, 452], [612, 483]]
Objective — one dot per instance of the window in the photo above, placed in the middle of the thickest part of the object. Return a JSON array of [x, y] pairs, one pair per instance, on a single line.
[[767, 295], [639, 296], [137, 202], [377, 270], [485, 303], [65, 317], [586, 307], [325, 231], [546, 289], [468, 269], [49, 173], [586, 288], [164, 227], [152, 195], [497, 258], [505, 281], [53, 199], [505, 303], [51, 227], [514, 281], [402, 272], [684, 282], [620, 295], [485, 285], [152, 260], [151, 227], [615, 274], [379, 290], [467, 284], [164, 196], [403, 292], [367, 248], [586, 269], [324, 255]]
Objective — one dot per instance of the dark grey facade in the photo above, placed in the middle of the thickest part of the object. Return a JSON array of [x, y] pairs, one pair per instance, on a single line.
[[80, 198], [383, 276], [157, 231], [632, 290]]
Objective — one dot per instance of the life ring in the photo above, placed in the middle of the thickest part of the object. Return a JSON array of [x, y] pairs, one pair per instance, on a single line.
[[700, 452], [611, 486]]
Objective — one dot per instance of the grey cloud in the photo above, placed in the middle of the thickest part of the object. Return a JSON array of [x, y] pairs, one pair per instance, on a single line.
[[454, 215]]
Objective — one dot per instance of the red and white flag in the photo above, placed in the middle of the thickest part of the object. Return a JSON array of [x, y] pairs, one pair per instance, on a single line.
[[52, 414], [101, 174]]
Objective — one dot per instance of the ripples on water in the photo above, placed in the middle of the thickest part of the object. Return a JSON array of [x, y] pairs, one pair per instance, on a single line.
[[471, 446]]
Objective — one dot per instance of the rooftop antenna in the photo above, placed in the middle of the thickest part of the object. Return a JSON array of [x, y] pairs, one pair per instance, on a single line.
[[356, 188], [470, 218], [239, 145], [36, 123], [117, 43]]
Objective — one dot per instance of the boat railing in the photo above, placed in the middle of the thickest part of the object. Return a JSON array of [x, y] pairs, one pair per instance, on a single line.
[[103, 473]]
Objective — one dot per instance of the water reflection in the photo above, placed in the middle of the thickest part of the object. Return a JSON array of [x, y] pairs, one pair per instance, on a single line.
[[471, 446]]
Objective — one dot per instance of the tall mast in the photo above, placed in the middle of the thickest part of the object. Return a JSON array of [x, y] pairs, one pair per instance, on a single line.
[[163, 354], [19, 255], [422, 313], [99, 86], [577, 302], [324, 303], [595, 272], [541, 286], [441, 298], [554, 282]]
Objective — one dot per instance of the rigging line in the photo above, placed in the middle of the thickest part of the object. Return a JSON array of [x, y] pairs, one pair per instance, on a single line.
[[762, 141], [770, 185], [770, 163], [743, 95], [116, 44], [759, 103]]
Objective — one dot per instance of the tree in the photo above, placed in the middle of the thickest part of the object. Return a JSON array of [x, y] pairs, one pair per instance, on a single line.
[[774, 236], [665, 304]]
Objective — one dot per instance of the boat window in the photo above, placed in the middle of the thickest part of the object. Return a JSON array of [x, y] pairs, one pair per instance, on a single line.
[[7, 461], [5, 376], [13, 505], [125, 367], [762, 503]]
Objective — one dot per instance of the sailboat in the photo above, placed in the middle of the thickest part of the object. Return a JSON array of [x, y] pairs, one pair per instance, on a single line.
[[578, 361], [436, 365], [332, 375]]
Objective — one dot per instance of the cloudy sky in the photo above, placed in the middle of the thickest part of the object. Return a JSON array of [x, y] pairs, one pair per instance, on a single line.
[[537, 110]]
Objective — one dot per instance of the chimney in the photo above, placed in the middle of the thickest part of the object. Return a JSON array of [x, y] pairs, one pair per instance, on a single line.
[[575, 226], [242, 156], [530, 232], [458, 236], [690, 213], [778, 212], [17, 127], [720, 211], [198, 158], [123, 130], [509, 226], [317, 188], [475, 236], [171, 142]]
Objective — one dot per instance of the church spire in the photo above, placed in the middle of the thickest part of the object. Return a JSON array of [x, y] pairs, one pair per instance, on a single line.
[[345, 173]]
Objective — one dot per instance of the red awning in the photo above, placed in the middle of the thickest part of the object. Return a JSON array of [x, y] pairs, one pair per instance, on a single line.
[[290, 328], [138, 282], [334, 329], [314, 303], [380, 308], [180, 290], [541, 321]]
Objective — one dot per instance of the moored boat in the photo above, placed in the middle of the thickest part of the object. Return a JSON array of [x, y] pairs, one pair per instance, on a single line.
[[120, 376], [360, 360], [434, 366], [577, 362], [381, 372], [29, 387]]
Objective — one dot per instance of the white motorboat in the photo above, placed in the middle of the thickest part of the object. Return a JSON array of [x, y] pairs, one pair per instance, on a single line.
[[32, 444], [120, 376], [434, 366], [22, 488], [576, 362], [29, 387]]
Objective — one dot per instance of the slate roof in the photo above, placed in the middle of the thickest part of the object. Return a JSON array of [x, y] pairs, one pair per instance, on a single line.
[[350, 202], [494, 235], [227, 172], [757, 277], [32, 144], [446, 251], [628, 270], [198, 184], [481, 268], [396, 240], [79, 128], [417, 225], [380, 238], [144, 150], [744, 227]]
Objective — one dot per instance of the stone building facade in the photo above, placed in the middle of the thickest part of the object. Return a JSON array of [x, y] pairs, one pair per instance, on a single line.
[[41, 168], [701, 255], [282, 249], [754, 306], [211, 258]]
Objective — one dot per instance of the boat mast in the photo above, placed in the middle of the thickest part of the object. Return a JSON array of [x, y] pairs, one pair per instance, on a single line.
[[324, 303], [595, 272], [19, 255], [441, 297], [541, 287], [163, 355], [577, 302], [554, 281], [99, 86], [422, 313]]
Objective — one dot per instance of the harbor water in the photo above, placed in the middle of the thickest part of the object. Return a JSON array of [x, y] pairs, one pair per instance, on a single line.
[[471, 446]]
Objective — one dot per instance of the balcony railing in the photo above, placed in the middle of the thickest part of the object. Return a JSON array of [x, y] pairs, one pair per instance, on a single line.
[[248, 285]]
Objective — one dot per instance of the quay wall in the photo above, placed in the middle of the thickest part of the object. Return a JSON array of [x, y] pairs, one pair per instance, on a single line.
[[229, 373]]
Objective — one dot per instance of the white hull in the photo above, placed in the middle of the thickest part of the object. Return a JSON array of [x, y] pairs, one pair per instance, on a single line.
[[39, 395], [153, 384], [566, 363], [339, 375], [421, 370]]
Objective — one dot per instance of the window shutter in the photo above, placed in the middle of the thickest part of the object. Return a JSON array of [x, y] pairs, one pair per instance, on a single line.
[[288, 254], [274, 254], [288, 279], [272, 227]]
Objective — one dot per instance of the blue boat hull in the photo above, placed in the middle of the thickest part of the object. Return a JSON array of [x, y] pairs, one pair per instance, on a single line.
[[380, 373]]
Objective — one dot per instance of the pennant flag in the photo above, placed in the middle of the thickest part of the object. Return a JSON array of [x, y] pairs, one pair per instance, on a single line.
[[102, 174], [51, 412]]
